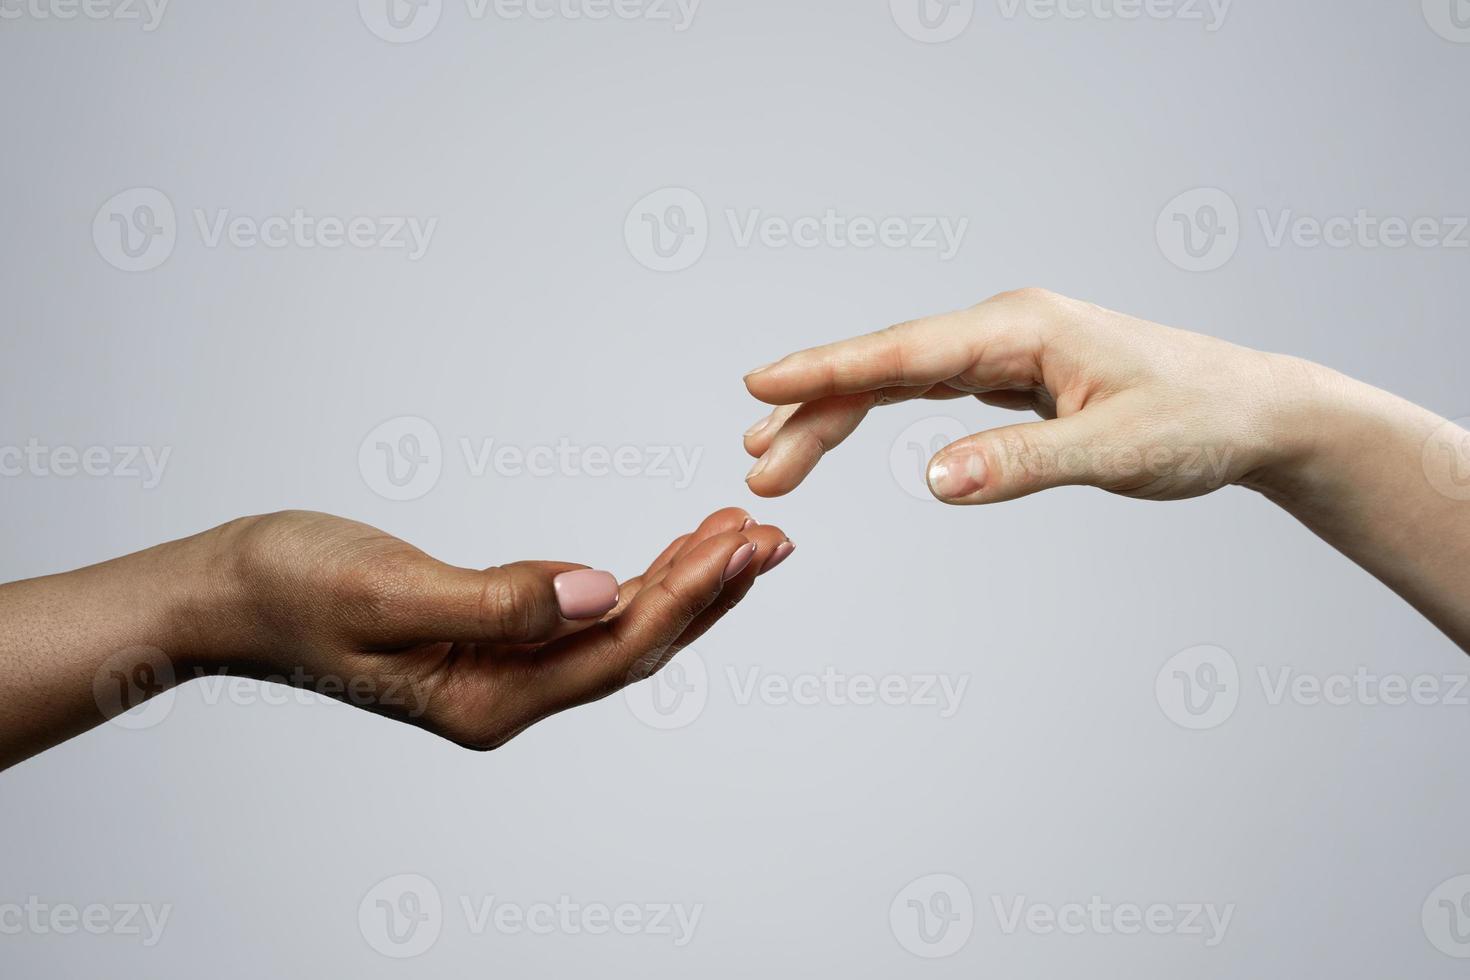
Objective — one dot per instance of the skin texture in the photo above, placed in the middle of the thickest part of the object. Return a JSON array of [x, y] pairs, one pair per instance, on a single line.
[[1150, 412], [476, 656]]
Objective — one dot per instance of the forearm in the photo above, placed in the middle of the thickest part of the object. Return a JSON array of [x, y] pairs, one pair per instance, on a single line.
[[1364, 482], [79, 647]]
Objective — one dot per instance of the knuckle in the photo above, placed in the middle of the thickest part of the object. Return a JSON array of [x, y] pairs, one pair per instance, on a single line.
[[508, 605], [650, 664], [895, 342], [1020, 459], [684, 603], [808, 441], [1028, 295]]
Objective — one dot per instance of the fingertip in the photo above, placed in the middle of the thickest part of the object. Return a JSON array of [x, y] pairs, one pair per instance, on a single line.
[[773, 546], [955, 476], [759, 427], [762, 384], [698, 576], [753, 377], [782, 551], [762, 482], [766, 492], [722, 521], [728, 519], [739, 561], [783, 468], [710, 559]]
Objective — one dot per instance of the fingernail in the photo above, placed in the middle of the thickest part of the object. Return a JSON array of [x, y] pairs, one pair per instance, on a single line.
[[749, 523], [755, 470], [783, 551], [957, 477], [585, 594], [763, 367], [758, 428], [738, 561]]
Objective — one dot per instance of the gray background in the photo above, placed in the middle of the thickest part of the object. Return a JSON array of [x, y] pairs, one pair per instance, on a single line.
[[529, 321]]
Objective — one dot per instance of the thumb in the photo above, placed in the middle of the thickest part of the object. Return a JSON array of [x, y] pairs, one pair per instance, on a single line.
[[528, 602], [1019, 460]]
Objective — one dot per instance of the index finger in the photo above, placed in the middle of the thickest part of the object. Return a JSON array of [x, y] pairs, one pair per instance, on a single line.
[[914, 354]]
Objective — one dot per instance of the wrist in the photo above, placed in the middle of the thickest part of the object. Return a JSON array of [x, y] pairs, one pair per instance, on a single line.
[[1321, 420], [1308, 408], [207, 601]]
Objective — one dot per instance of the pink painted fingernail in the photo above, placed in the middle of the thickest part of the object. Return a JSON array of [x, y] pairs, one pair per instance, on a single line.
[[749, 523], [739, 561], [958, 477], [783, 551], [585, 594]]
